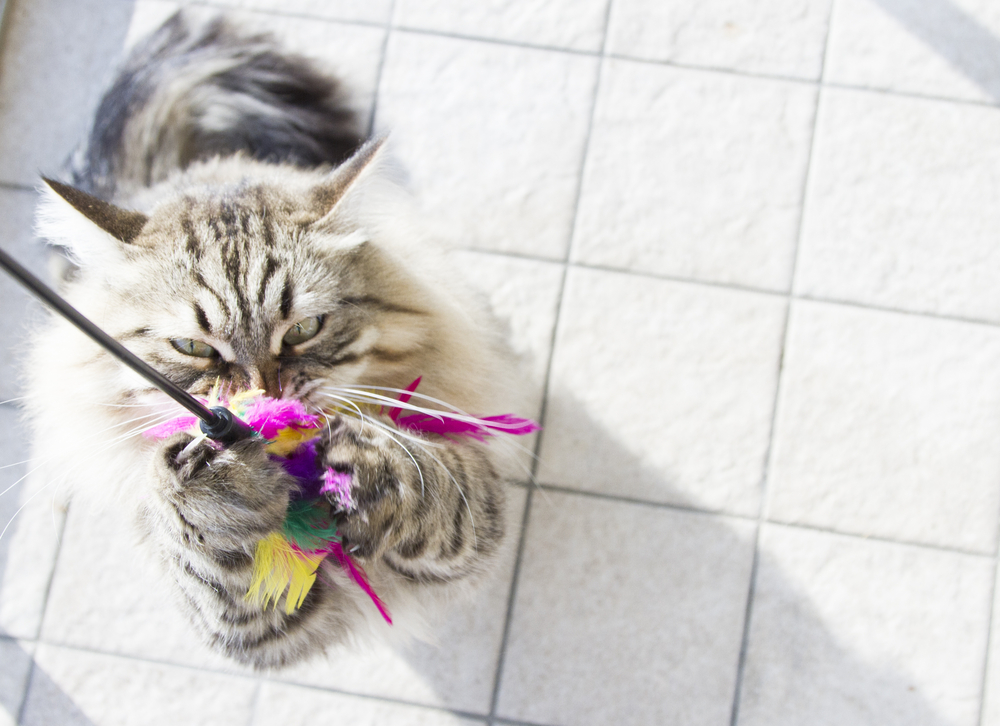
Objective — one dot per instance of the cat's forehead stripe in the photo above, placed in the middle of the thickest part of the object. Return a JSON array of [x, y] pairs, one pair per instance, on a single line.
[[271, 266]]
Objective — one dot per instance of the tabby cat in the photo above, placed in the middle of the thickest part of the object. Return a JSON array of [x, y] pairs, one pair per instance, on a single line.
[[224, 221]]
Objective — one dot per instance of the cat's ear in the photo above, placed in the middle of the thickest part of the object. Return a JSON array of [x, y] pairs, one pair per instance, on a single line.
[[90, 228], [331, 194]]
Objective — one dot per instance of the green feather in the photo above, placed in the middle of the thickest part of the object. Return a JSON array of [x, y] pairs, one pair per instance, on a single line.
[[308, 527]]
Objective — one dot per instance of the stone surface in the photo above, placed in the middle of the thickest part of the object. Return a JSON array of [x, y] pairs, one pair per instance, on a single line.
[[845, 631], [292, 706], [779, 37], [887, 425], [949, 49], [77, 688], [662, 391], [626, 614], [491, 138], [901, 208], [695, 174], [576, 24], [57, 55]]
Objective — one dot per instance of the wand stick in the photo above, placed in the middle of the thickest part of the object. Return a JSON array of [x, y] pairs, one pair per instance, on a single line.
[[217, 423]]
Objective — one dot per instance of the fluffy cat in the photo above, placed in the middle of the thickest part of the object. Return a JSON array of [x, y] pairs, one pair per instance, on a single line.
[[213, 230]]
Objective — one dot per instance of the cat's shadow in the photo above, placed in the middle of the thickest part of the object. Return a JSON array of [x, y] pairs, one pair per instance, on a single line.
[[458, 673], [860, 693]]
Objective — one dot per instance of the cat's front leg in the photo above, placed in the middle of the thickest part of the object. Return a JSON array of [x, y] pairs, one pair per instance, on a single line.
[[210, 508], [431, 509]]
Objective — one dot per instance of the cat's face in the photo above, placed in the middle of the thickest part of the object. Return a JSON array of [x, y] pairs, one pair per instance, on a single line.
[[251, 286]]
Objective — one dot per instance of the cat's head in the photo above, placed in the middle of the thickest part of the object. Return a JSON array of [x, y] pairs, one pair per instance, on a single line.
[[258, 280]]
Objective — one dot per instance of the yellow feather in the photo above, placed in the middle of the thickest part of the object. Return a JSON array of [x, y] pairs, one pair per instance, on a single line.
[[278, 566], [288, 440]]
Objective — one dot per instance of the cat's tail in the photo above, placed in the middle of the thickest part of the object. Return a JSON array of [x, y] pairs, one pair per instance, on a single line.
[[191, 91]]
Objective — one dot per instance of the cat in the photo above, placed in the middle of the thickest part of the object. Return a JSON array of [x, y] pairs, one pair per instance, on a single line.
[[225, 220]]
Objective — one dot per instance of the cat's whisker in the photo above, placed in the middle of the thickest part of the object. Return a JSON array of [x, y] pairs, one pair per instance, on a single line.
[[454, 414], [12, 400], [42, 460], [94, 454], [412, 394], [372, 420]]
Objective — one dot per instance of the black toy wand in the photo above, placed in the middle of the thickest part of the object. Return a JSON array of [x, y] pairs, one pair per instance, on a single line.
[[218, 423]]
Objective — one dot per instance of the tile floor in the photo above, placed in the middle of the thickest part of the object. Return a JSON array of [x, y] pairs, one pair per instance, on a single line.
[[753, 249]]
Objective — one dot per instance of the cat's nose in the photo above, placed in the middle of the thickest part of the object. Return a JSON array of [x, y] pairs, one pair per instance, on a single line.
[[266, 377]]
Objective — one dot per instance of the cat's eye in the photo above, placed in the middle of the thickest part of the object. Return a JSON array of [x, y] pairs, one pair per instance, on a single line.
[[187, 346], [302, 331]]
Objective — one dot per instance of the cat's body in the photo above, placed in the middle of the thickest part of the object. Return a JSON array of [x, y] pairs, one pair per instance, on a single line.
[[290, 278]]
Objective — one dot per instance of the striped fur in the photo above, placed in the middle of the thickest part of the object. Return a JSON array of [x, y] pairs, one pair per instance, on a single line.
[[235, 233]]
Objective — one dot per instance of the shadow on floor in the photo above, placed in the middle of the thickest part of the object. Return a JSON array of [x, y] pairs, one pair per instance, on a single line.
[[954, 35]]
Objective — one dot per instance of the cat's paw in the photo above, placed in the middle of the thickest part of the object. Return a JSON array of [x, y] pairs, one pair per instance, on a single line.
[[369, 472], [227, 495]]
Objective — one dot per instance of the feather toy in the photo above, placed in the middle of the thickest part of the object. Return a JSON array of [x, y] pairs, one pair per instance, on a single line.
[[286, 562]]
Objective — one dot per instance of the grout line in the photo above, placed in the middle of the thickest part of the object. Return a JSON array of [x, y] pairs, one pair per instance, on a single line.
[[547, 382], [225, 7], [741, 662], [691, 509], [738, 288], [874, 90], [525, 45], [381, 69], [384, 699], [885, 540], [508, 614], [898, 311], [254, 701], [715, 69], [16, 186], [683, 280], [41, 620], [986, 659], [618, 498], [258, 679]]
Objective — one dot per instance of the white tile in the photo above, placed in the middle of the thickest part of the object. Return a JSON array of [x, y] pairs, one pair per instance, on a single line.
[[949, 49], [56, 57], [108, 594], [695, 174], [293, 706], [33, 522], [626, 614], [456, 671], [901, 208], [575, 24], [15, 665], [20, 311], [662, 391], [491, 136], [349, 53], [71, 688], [847, 631], [779, 37], [888, 425], [367, 11]]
